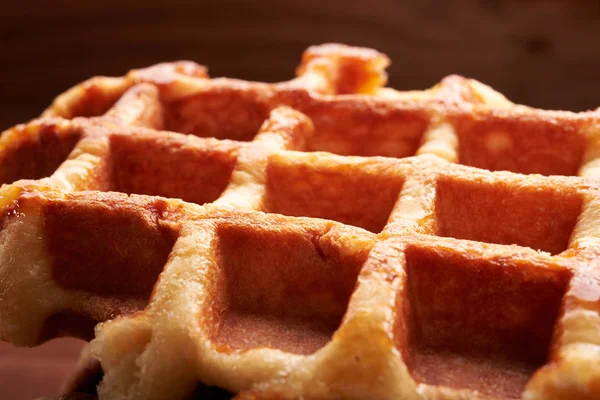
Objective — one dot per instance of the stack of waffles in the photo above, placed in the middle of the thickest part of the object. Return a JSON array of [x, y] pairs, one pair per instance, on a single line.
[[321, 238]]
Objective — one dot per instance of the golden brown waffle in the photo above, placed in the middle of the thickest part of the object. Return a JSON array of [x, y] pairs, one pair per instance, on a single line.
[[364, 244]]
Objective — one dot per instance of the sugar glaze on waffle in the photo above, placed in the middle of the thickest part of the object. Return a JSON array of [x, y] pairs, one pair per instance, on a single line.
[[321, 238]]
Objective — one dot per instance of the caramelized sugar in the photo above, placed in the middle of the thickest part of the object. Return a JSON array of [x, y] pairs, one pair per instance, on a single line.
[[36, 155], [524, 144], [538, 217], [502, 378], [95, 100], [248, 329], [352, 127], [281, 290], [234, 113], [102, 252], [344, 126], [479, 324], [356, 194], [170, 166]]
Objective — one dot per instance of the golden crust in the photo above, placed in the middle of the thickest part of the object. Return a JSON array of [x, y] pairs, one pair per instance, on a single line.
[[321, 238]]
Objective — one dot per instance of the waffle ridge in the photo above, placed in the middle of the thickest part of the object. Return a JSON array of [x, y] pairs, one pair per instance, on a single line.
[[326, 237]]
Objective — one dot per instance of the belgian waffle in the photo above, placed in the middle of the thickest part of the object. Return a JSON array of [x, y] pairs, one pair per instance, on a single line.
[[321, 238]]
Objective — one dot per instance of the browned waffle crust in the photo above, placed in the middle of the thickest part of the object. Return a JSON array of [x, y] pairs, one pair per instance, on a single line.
[[321, 238]]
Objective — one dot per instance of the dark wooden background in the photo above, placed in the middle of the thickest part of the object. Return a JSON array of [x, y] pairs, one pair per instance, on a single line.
[[541, 53], [29, 373]]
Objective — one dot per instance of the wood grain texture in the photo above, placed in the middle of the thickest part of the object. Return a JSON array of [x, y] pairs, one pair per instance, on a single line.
[[29, 373], [542, 53]]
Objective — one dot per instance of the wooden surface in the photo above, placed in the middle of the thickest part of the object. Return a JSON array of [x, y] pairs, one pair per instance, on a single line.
[[29, 373], [541, 53]]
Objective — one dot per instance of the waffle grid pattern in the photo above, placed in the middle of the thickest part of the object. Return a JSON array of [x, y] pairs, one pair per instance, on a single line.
[[324, 237]]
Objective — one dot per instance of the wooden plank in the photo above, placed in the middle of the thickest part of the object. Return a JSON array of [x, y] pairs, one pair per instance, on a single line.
[[29, 373], [539, 53]]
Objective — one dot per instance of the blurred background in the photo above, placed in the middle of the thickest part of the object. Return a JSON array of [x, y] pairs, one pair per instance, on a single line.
[[541, 53]]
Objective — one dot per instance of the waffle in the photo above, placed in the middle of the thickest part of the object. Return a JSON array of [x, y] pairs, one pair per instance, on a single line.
[[321, 238]]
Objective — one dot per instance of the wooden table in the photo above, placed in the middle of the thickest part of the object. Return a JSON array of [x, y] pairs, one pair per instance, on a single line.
[[540, 53], [28, 373]]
